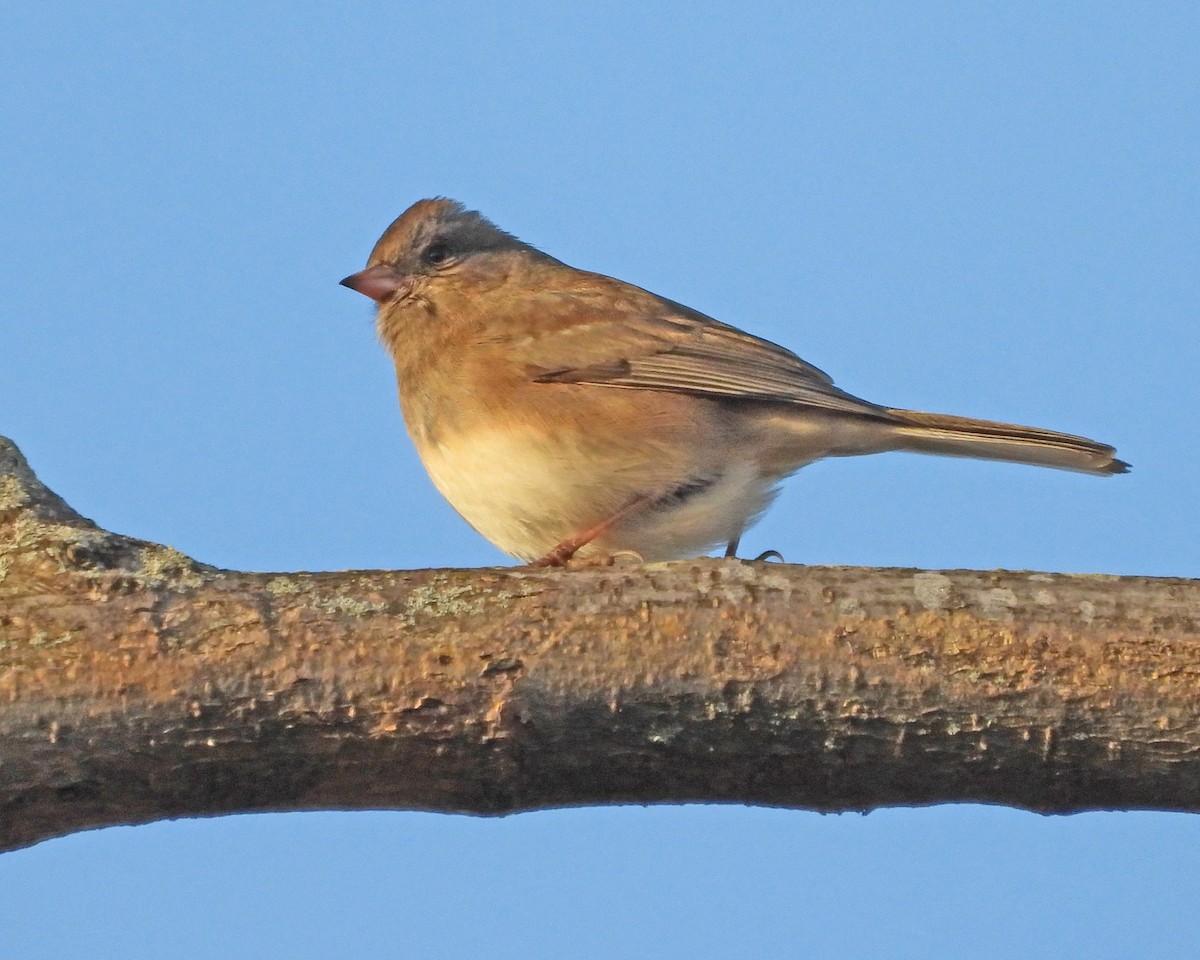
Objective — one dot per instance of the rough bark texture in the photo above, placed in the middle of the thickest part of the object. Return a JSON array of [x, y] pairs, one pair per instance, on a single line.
[[136, 684]]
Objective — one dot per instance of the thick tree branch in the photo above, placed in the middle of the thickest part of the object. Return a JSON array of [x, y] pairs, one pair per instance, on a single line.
[[136, 683]]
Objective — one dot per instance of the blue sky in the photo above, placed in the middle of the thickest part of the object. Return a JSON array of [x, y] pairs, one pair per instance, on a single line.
[[988, 210]]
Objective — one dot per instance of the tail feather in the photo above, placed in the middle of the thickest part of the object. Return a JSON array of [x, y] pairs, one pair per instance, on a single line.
[[952, 436]]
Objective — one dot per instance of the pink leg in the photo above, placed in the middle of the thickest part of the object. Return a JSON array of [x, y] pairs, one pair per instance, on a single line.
[[562, 553]]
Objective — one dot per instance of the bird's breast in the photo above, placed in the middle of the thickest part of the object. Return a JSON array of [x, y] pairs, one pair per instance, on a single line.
[[528, 490], [522, 489]]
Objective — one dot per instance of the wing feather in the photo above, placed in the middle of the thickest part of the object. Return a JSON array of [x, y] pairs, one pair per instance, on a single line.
[[613, 334]]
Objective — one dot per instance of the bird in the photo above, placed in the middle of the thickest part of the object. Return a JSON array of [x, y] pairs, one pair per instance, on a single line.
[[571, 416]]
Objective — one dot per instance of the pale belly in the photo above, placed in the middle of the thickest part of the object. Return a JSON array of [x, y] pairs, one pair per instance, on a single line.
[[527, 492]]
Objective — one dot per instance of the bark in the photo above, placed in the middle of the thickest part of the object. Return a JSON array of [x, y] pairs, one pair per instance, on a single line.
[[137, 684]]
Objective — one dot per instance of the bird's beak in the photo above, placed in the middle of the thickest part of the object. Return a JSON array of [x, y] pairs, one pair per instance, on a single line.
[[380, 282]]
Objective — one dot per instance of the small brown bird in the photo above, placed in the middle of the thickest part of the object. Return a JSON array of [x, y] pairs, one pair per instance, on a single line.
[[563, 412]]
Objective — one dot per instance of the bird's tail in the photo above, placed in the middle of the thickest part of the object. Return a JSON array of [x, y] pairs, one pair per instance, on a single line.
[[952, 436]]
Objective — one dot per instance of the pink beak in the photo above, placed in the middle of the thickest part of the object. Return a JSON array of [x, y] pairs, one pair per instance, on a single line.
[[379, 282]]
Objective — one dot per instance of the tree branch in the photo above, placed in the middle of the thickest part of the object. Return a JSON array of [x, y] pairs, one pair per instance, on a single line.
[[136, 684]]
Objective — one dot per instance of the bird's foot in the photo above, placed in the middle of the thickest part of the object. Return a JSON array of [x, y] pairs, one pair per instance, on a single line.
[[616, 558], [731, 553]]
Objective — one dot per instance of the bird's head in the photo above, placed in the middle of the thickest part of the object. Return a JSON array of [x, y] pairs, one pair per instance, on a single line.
[[432, 241]]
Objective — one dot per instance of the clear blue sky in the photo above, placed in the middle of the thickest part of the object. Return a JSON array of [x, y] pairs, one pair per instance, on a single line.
[[985, 209]]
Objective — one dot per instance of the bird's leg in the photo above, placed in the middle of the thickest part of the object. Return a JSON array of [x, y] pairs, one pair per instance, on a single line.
[[559, 556], [731, 553]]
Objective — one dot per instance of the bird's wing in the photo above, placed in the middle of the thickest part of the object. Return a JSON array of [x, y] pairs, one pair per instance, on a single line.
[[612, 334]]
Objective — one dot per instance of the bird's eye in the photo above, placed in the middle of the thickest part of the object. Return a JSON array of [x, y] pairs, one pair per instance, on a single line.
[[436, 253]]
